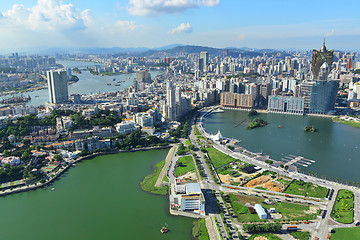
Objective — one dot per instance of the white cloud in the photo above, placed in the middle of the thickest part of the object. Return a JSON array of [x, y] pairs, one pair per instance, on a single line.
[[186, 28], [125, 26], [46, 15], [328, 34], [156, 7]]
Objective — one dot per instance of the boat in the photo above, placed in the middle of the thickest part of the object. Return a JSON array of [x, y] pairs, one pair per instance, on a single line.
[[117, 84], [37, 96], [164, 229], [280, 126], [52, 189]]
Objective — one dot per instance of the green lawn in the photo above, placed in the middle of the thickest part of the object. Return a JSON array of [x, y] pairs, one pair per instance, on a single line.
[[196, 131], [307, 189], [301, 235], [282, 180], [184, 164], [268, 236], [343, 210], [199, 230], [289, 211], [187, 142], [218, 158], [346, 233], [293, 211], [149, 181]]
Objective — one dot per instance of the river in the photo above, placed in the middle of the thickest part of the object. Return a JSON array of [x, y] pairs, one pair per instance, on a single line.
[[98, 199], [87, 83], [334, 147]]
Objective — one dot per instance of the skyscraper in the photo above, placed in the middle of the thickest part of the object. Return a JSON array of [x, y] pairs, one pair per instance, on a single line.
[[57, 84], [319, 58], [205, 61]]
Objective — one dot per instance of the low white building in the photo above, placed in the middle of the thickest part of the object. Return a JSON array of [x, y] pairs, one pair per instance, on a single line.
[[10, 160], [187, 197], [260, 211], [125, 127]]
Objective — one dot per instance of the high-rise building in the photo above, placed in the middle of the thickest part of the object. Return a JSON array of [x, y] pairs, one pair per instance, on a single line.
[[318, 59], [143, 76], [58, 86], [319, 96], [286, 104], [205, 61]]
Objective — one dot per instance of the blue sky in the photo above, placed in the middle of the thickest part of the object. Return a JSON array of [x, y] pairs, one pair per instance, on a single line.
[[278, 24]]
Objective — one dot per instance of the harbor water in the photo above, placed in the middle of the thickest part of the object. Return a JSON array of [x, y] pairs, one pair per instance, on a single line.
[[100, 198], [334, 147]]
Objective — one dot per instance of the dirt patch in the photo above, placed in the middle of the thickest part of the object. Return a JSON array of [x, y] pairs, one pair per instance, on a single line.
[[243, 199], [311, 210], [227, 179], [258, 181], [267, 182], [189, 176], [261, 238]]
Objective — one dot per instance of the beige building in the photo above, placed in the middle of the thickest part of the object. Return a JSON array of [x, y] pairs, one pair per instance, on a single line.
[[237, 100]]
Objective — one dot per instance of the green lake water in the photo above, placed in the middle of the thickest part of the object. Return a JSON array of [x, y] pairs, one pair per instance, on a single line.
[[335, 147], [98, 199]]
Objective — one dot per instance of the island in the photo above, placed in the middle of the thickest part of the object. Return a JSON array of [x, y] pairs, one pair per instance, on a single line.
[[256, 123], [310, 129]]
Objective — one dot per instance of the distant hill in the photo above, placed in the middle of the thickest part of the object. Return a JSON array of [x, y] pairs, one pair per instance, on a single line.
[[169, 50], [233, 52]]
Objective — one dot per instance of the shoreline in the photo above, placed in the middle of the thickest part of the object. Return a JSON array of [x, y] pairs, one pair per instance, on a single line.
[[69, 165], [267, 111]]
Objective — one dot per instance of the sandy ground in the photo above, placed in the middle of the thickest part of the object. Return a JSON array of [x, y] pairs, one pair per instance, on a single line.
[[267, 182]]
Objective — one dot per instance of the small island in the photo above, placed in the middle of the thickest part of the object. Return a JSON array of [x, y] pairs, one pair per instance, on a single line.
[[310, 129], [252, 112], [256, 123], [76, 70]]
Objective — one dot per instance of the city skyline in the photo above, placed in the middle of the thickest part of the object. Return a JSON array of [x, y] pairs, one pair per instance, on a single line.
[[215, 23]]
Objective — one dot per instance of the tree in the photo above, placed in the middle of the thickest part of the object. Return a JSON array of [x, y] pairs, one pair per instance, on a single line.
[[58, 157]]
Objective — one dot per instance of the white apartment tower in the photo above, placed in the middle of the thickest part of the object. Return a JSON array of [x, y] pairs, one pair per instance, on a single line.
[[57, 84]]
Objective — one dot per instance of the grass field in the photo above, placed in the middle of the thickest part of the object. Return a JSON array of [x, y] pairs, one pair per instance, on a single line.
[[343, 210], [218, 158], [196, 131], [268, 236], [199, 230], [307, 189], [149, 181], [301, 235], [292, 211], [184, 164], [289, 211], [187, 142], [346, 233]]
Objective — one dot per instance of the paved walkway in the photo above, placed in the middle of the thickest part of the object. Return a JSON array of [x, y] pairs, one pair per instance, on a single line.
[[212, 228], [168, 158]]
